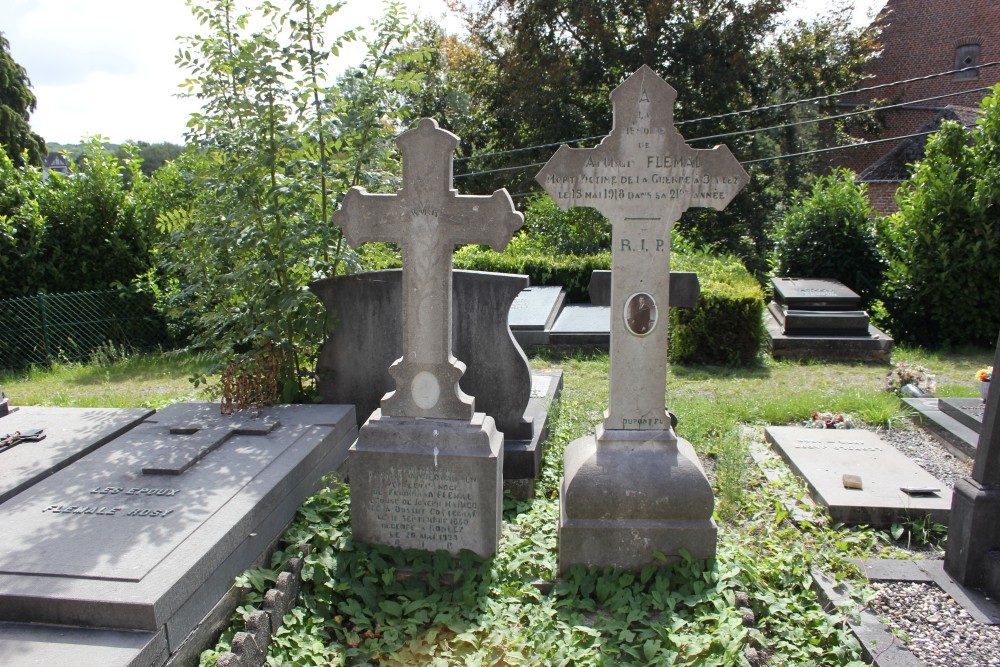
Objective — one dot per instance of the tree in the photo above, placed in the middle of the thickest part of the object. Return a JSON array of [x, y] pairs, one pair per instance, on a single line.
[[545, 68], [16, 104], [944, 243]]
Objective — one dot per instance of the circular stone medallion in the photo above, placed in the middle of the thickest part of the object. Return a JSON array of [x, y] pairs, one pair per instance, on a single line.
[[425, 390], [640, 314]]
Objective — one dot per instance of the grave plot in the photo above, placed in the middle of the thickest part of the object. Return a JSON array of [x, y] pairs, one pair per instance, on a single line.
[[859, 478], [118, 557], [820, 319], [70, 433]]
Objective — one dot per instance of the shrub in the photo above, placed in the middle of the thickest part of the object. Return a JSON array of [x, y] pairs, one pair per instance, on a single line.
[[577, 231], [726, 326], [831, 234], [944, 243], [571, 272]]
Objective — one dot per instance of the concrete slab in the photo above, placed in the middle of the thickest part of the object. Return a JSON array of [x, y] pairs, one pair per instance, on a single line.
[[71, 433], [536, 308], [950, 432], [823, 456], [100, 544], [24, 645], [582, 324]]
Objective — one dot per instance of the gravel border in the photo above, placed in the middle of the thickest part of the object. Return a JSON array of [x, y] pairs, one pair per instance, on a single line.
[[935, 628], [925, 450]]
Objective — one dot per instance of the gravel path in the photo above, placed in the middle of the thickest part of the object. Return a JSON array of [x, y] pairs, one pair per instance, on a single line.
[[936, 629]]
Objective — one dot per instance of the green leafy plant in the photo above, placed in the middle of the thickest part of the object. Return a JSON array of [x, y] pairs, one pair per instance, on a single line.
[[944, 243]]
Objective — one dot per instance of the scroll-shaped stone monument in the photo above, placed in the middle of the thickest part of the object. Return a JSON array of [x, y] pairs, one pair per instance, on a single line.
[[635, 488], [426, 471]]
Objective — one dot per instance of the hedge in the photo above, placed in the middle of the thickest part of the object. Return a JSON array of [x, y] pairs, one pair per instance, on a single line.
[[726, 327]]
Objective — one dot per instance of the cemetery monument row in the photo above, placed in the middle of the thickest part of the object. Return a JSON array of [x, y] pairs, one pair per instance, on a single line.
[[634, 488], [426, 471]]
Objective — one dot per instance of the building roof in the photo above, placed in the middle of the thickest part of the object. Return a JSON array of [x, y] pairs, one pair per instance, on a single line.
[[897, 164]]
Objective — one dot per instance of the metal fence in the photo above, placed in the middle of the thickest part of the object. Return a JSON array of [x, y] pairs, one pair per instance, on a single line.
[[74, 326]]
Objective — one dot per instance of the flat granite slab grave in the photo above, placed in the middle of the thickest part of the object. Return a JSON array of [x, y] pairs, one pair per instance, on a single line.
[[955, 435], [536, 308], [823, 456], [875, 347], [967, 411], [70, 433], [101, 544], [582, 324], [814, 294]]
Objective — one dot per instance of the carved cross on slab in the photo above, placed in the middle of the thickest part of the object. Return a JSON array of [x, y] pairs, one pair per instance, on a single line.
[[427, 218], [642, 177], [196, 442]]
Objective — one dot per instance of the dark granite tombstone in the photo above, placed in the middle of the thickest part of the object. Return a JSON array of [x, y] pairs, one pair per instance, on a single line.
[[815, 317], [973, 553], [116, 558], [969, 412], [536, 309]]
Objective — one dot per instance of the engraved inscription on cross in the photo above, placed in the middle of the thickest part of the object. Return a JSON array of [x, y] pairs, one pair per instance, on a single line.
[[427, 218], [642, 177]]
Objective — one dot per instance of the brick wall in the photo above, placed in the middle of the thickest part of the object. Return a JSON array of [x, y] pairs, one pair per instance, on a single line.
[[921, 37], [882, 197]]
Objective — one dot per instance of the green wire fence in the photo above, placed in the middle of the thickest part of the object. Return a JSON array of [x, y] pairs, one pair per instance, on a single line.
[[44, 328]]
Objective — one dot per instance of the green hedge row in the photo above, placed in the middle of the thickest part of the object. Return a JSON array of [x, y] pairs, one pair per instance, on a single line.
[[571, 272], [726, 327]]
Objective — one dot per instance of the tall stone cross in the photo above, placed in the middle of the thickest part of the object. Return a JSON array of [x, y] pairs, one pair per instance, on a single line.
[[427, 218], [641, 177]]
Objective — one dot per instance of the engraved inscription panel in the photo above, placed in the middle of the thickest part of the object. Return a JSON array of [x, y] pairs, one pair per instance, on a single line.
[[423, 507]]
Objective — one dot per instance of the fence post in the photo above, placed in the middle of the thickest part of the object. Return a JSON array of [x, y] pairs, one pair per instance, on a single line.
[[45, 327]]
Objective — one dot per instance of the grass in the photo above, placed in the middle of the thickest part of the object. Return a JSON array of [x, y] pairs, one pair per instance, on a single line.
[[354, 609], [110, 381]]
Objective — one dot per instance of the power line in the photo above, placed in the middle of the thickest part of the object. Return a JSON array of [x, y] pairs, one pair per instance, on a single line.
[[837, 148], [838, 116], [764, 108]]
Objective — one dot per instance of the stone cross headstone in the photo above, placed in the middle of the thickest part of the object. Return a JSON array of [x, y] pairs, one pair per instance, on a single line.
[[426, 471], [427, 219], [973, 553], [641, 177], [635, 489]]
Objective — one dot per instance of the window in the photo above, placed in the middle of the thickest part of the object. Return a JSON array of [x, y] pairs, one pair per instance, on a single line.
[[967, 55]]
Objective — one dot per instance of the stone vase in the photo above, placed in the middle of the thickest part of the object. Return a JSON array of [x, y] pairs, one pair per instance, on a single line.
[[984, 390]]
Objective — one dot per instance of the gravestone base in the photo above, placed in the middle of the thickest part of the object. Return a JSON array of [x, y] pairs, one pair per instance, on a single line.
[[975, 514], [628, 495], [431, 484]]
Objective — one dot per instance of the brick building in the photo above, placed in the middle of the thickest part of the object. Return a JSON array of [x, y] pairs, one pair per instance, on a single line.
[[921, 38]]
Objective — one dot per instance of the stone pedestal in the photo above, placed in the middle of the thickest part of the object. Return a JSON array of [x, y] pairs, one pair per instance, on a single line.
[[627, 494], [428, 483], [974, 533]]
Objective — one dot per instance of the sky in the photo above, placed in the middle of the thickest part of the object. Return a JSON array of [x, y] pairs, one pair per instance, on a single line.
[[106, 67]]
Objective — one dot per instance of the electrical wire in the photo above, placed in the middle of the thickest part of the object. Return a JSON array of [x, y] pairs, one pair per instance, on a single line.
[[756, 109]]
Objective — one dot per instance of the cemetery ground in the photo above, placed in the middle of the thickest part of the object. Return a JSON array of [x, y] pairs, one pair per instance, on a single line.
[[754, 604]]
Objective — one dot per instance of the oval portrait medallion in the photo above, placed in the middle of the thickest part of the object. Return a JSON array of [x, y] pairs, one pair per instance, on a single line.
[[640, 314]]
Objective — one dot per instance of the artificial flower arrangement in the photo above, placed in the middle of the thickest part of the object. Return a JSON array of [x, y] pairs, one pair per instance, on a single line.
[[827, 420], [985, 374], [904, 374]]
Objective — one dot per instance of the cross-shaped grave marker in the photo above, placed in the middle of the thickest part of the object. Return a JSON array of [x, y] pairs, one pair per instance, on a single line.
[[642, 177], [634, 492], [427, 218]]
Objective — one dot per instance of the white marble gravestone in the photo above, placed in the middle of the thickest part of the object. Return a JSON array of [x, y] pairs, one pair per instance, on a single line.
[[426, 472], [635, 489]]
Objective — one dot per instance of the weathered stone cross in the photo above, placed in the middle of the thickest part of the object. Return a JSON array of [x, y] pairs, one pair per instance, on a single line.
[[427, 218], [642, 177]]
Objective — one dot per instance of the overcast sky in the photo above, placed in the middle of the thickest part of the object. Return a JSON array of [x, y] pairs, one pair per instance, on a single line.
[[107, 66]]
